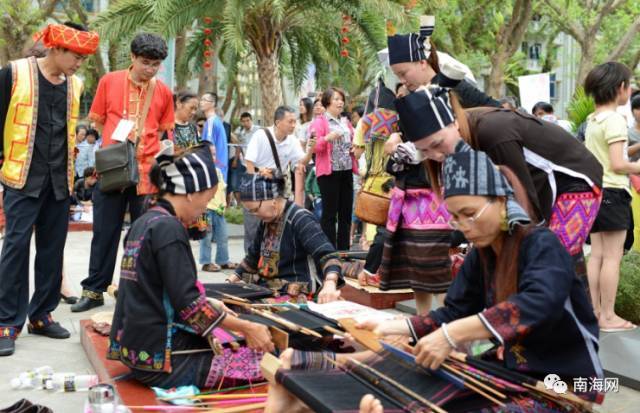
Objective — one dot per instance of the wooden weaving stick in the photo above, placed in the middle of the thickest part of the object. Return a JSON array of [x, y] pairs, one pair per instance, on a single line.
[[365, 337]]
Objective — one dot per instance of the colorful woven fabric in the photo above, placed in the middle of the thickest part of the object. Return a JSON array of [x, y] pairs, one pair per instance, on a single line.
[[572, 216], [60, 35], [420, 209], [380, 124], [11, 332], [235, 368]]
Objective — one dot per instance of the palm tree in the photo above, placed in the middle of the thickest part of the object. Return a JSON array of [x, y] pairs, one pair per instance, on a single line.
[[279, 33]]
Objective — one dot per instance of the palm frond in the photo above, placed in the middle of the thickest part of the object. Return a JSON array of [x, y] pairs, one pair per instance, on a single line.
[[124, 18]]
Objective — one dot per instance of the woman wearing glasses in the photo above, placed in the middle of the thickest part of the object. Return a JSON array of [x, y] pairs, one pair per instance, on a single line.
[[516, 287], [290, 254]]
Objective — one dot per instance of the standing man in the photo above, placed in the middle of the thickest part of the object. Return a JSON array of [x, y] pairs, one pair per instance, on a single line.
[[260, 157], [214, 131], [121, 96], [39, 105], [237, 168]]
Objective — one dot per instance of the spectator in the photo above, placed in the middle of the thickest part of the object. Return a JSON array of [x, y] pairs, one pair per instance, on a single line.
[[87, 152], [607, 139], [81, 133], [185, 134], [218, 230], [509, 102], [200, 122], [260, 157], [318, 109], [356, 115], [244, 133], [214, 131], [83, 188], [306, 116], [112, 99], [335, 165], [544, 111]]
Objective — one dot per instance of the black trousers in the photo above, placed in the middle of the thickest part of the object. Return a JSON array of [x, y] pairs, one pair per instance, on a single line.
[[108, 217], [374, 256], [50, 219], [337, 200]]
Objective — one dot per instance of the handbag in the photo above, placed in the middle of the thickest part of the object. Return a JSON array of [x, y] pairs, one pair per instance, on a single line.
[[117, 164]]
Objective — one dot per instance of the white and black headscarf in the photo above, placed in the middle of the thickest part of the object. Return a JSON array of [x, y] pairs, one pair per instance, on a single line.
[[188, 174]]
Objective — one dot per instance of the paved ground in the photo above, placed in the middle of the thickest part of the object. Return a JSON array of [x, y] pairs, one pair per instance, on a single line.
[[68, 355]]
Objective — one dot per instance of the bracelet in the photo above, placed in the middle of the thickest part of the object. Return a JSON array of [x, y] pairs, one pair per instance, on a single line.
[[452, 343]]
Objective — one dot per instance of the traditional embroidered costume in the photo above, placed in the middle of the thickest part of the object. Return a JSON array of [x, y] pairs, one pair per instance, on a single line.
[[161, 306], [291, 255], [37, 141], [548, 325]]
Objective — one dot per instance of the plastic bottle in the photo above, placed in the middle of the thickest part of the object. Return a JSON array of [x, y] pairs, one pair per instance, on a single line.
[[71, 382], [32, 379]]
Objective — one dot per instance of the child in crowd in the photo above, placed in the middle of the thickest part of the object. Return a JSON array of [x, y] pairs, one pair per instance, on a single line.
[[83, 188], [87, 152], [606, 137]]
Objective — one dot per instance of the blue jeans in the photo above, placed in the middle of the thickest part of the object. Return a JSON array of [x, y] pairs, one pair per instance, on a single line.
[[219, 233]]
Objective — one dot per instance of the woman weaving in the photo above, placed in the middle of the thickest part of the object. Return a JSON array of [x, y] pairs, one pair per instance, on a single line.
[[162, 311], [519, 304], [290, 254]]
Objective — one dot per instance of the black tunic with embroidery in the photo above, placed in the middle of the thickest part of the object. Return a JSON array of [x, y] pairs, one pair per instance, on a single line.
[[548, 326], [159, 296]]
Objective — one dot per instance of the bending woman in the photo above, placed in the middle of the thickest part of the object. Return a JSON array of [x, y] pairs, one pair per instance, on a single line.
[[290, 253], [161, 307], [563, 180]]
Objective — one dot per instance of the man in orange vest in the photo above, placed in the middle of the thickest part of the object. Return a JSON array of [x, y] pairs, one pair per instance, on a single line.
[[39, 105]]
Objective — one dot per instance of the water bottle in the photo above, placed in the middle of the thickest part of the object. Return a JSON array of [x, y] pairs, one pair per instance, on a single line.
[[71, 382], [32, 379]]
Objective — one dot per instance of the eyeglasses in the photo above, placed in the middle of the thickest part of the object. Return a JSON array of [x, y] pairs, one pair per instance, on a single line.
[[468, 222], [254, 211]]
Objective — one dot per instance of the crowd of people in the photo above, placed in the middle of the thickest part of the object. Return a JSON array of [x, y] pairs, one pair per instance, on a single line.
[[449, 165]]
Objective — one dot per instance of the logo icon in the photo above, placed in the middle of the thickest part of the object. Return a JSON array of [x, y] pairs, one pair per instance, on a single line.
[[553, 382]]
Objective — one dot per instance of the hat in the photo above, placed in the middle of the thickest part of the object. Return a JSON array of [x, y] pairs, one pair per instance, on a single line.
[[61, 35], [451, 73], [424, 112], [193, 172], [411, 47], [471, 172], [255, 187]]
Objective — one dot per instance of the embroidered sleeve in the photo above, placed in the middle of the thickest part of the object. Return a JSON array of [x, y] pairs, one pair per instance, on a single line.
[[309, 233], [544, 285], [201, 315]]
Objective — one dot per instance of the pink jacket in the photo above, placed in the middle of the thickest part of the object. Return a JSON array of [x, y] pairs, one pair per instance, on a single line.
[[324, 148]]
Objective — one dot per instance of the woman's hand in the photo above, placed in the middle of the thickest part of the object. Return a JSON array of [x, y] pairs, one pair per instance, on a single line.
[[332, 136], [222, 306], [432, 350], [328, 293], [396, 327], [392, 143], [258, 337]]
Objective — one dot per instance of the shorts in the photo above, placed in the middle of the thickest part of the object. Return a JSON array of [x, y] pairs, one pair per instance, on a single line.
[[615, 211]]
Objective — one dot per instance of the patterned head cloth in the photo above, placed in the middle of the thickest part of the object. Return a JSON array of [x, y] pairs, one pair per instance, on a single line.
[[187, 174], [60, 35], [470, 172], [411, 47], [428, 110], [380, 119], [259, 188]]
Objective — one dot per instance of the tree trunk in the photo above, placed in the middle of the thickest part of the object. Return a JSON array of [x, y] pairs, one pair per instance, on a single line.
[[112, 54], [496, 76], [181, 42], [229, 97], [586, 60], [270, 88]]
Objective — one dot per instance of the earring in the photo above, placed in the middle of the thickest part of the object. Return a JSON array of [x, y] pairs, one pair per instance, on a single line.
[[504, 223]]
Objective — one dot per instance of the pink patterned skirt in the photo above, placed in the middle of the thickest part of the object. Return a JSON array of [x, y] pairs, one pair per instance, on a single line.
[[419, 209]]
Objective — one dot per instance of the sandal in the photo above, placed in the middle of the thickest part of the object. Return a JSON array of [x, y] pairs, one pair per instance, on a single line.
[[625, 326], [211, 267], [229, 266]]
